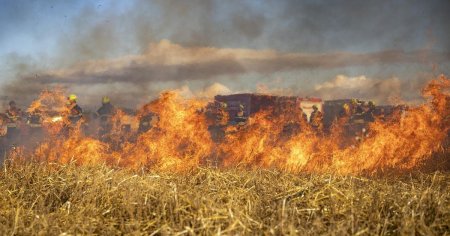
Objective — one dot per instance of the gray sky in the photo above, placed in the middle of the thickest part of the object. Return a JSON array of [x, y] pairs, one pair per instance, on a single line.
[[131, 50]]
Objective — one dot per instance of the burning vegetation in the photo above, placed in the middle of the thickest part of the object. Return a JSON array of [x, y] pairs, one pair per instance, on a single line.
[[252, 164], [251, 131]]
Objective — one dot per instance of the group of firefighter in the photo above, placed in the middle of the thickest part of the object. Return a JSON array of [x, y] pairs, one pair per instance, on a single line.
[[219, 113], [353, 117], [14, 121], [354, 114]]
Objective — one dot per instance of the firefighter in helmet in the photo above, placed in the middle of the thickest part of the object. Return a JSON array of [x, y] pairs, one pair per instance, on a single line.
[[358, 122], [354, 101], [369, 113], [221, 114], [316, 119], [344, 117], [14, 117], [240, 118], [104, 114], [75, 111], [357, 114], [106, 110], [345, 111], [219, 119]]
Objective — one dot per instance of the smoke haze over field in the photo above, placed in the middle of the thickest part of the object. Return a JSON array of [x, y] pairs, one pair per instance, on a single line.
[[131, 50]]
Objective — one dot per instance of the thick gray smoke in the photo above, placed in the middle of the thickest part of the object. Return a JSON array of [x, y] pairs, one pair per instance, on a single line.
[[124, 54]]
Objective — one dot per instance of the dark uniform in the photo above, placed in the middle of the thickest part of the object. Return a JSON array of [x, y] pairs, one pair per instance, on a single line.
[[369, 114], [105, 113], [358, 126], [358, 116], [240, 119], [220, 120], [75, 113], [74, 116], [316, 119]]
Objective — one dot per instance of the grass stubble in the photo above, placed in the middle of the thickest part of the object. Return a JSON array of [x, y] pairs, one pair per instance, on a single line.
[[54, 199]]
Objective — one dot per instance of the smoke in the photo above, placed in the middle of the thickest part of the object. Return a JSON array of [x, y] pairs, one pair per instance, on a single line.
[[382, 91], [208, 92], [132, 77], [166, 61], [122, 53], [213, 90]]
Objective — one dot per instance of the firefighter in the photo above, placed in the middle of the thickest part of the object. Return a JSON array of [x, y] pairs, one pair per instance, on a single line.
[[105, 113], [345, 111], [304, 116], [344, 118], [14, 116], [240, 118], [369, 113], [358, 123], [353, 105], [358, 113], [107, 109], [316, 119], [75, 111], [221, 114], [219, 117]]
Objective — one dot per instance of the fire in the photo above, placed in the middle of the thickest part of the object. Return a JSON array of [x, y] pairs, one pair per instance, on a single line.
[[401, 145], [179, 139], [50, 108], [57, 119]]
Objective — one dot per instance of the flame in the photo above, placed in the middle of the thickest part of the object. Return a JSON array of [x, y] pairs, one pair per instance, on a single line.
[[400, 145], [180, 139], [52, 109], [57, 119]]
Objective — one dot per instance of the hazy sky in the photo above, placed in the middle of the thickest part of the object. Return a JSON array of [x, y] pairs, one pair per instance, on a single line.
[[133, 49]]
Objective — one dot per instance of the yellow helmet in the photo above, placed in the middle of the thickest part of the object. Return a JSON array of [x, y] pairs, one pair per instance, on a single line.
[[106, 100], [72, 97], [346, 106]]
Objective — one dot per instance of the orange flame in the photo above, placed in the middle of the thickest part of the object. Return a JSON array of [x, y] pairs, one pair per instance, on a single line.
[[180, 139]]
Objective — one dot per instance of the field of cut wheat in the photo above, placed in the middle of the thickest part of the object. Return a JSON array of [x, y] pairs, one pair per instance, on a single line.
[[54, 199]]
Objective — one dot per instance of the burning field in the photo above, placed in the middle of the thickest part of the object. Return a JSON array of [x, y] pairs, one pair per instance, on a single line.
[[238, 117], [191, 171], [182, 134]]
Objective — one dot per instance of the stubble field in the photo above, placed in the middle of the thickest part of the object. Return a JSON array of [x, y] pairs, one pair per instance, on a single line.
[[54, 199]]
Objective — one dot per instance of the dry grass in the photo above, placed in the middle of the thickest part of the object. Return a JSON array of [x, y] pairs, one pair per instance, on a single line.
[[53, 199]]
